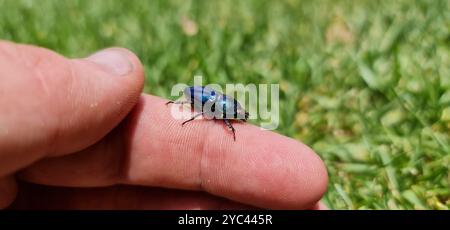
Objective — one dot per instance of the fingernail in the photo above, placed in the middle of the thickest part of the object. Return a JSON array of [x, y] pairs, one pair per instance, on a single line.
[[114, 61]]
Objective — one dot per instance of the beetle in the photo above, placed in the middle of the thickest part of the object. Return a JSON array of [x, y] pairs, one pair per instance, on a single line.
[[214, 105]]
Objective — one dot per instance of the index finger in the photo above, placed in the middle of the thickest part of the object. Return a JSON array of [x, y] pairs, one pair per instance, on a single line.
[[260, 168]]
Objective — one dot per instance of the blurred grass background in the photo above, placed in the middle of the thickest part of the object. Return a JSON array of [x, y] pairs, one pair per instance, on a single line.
[[365, 83]]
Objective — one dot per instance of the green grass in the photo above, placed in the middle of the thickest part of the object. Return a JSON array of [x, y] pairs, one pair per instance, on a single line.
[[365, 83]]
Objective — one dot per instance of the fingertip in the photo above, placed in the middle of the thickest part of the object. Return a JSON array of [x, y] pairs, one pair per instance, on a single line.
[[121, 62], [138, 68], [321, 206], [301, 178], [317, 180]]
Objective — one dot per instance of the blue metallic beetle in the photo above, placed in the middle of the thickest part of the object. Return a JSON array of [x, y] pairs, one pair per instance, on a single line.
[[213, 105]]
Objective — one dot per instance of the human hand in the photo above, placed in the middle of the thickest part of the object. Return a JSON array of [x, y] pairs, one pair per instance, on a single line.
[[78, 134]]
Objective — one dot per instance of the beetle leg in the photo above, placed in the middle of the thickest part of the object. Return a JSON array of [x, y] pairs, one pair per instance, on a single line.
[[178, 102], [227, 122], [192, 118]]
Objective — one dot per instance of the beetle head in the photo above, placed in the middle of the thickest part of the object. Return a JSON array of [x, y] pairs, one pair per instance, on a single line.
[[242, 113]]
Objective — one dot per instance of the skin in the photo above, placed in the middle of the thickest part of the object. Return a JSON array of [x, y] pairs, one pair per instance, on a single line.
[[78, 134]]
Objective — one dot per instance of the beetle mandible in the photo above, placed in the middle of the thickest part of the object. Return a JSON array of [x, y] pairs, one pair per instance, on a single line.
[[212, 104]]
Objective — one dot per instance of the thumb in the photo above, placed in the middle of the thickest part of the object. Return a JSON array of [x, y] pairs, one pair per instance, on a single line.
[[52, 105]]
